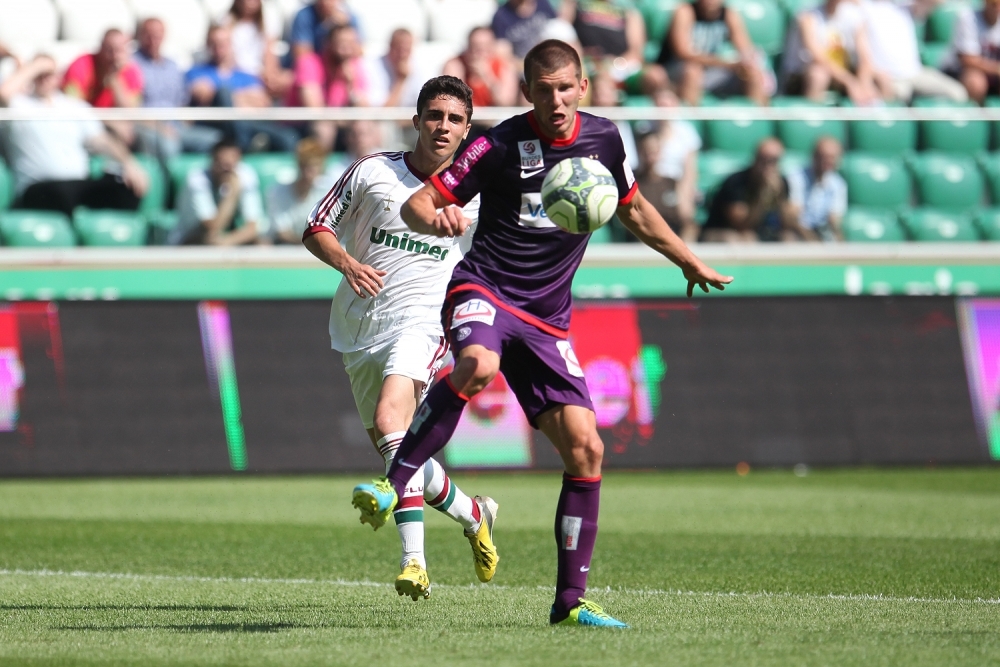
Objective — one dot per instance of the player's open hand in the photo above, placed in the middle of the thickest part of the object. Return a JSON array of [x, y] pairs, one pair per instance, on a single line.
[[365, 280], [703, 276], [450, 221]]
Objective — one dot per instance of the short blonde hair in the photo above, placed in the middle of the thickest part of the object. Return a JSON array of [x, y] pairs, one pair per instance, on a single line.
[[309, 150]]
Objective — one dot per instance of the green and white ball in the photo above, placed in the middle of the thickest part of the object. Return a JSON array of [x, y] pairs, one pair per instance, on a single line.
[[579, 194]]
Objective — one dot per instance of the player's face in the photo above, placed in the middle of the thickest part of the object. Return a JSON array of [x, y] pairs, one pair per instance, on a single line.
[[442, 126], [556, 96]]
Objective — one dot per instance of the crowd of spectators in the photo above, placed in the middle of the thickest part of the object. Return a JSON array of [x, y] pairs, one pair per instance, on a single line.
[[864, 50]]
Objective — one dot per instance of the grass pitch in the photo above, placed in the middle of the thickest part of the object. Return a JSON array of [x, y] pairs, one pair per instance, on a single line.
[[836, 568]]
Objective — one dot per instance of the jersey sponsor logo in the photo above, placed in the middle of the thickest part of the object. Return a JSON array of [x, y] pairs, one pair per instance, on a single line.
[[569, 356], [476, 150], [423, 412], [571, 532], [474, 310], [404, 242], [463, 333], [531, 157], [345, 206], [532, 212]]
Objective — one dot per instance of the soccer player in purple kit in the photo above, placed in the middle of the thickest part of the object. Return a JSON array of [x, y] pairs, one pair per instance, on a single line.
[[509, 302]]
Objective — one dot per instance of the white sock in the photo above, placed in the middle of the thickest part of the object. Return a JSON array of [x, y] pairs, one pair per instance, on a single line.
[[409, 514], [443, 494]]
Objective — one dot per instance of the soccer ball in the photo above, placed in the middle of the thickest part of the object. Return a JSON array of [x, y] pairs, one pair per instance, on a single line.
[[579, 194]]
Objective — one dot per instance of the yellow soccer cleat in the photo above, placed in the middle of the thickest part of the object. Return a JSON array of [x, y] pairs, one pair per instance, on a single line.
[[375, 501], [484, 552], [413, 581]]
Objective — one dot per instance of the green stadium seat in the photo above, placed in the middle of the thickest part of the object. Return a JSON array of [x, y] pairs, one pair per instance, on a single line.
[[871, 225], [715, 166], [990, 164], [932, 54], [6, 186], [155, 198], [765, 22], [993, 103], [179, 166], [36, 229], [942, 20], [876, 181], [160, 226], [960, 136], [794, 7], [110, 228], [273, 168], [883, 137], [926, 224], [948, 182], [988, 221], [737, 136], [783, 101], [657, 15], [794, 160], [801, 135]]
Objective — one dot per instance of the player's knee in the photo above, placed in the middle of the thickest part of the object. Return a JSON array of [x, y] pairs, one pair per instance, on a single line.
[[475, 370], [588, 449]]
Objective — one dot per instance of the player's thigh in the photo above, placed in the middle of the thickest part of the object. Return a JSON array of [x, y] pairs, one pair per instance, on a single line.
[[364, 369], [573, 431], [411, 361], [478, 331]]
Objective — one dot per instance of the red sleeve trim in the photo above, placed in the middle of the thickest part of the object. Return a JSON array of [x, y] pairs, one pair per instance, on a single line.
[[519, 314], [630, 196], [447, 378], [445, 192], [316, 229]]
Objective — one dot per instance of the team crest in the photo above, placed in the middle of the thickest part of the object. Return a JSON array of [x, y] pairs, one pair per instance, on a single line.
[[569, 356], [474, 310], [531, 155]]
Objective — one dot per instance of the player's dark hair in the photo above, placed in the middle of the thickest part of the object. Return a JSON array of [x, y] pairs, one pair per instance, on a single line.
[[224, 143], [445, 86], [549, 56]]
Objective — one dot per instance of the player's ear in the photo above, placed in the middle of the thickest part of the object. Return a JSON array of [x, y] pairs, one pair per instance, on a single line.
[[584, 86], [468, 126], [416, 122], [525, 90]]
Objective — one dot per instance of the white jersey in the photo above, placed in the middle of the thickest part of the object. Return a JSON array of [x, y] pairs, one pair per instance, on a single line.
[[362, 209]]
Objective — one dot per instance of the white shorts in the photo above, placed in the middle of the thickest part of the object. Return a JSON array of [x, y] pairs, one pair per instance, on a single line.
[[415, 354]]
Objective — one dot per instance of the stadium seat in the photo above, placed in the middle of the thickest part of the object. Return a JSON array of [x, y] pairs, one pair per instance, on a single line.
[[988, 221], [452, 20], [794, 7], [801, 135], [948, 182], [36, 229], [990, 164], [736, 136], [272, 168], [87, 20], [160, 226], [657, 15], [378, 19], [36, 27], [876, 181], [869, 225], [6, 186], [180, 165], [155, 198], [933, 54], [765, 21], [794, 160], [959, 136], [926, 224], [110, 228], [715, 166], [942, 20], [186, 22], [883, 137]]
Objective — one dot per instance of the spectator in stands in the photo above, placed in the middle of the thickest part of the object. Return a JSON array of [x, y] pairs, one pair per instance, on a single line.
[[163, 87], [519, 23], [818, 195], [892, 36], [975, 48], [487, 70], [752, 205], [828, 49], [220, 83], [361, 138], [395, 78], [673, 198], [254, 49], [312, 25], [694, 53], [679, 143], [611, 31], [337, 79], [220, 205], [107, 79], [604, 93], [289, 204], [51, 158]]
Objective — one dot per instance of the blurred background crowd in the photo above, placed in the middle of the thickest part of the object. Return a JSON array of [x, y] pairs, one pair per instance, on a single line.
[[738, 181]]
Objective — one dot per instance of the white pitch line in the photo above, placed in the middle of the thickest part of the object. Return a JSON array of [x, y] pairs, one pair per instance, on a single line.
[[852, 597]]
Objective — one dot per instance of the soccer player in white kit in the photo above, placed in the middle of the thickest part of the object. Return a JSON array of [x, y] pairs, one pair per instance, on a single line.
[[386, 314]]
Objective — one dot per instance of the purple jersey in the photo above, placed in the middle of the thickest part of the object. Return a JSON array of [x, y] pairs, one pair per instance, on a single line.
[[520, 257]]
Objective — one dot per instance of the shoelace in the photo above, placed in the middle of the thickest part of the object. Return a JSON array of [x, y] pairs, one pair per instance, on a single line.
[[595, 609]]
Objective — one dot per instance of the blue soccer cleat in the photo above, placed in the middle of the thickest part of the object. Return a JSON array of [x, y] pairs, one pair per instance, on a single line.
[[589, 614], [375, 501]]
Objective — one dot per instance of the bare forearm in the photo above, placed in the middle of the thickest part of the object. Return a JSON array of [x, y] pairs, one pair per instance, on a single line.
[[419, 212], [327, 249], [108, 146], [641, 219], [241, 236]]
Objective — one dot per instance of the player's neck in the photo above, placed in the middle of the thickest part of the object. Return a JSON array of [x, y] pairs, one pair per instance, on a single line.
[[426, 164]]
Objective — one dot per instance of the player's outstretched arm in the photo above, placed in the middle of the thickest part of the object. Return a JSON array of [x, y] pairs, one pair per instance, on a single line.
[[428, 212], [364, 280], [648, 225]]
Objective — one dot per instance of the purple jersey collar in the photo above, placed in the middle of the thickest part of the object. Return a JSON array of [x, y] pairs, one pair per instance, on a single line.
[[556, 143]]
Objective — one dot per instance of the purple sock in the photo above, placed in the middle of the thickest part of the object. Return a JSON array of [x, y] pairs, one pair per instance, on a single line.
[[576, 532], [432, 427]]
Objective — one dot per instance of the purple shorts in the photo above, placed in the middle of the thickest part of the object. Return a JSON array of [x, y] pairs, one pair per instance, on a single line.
[[540, 367]]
